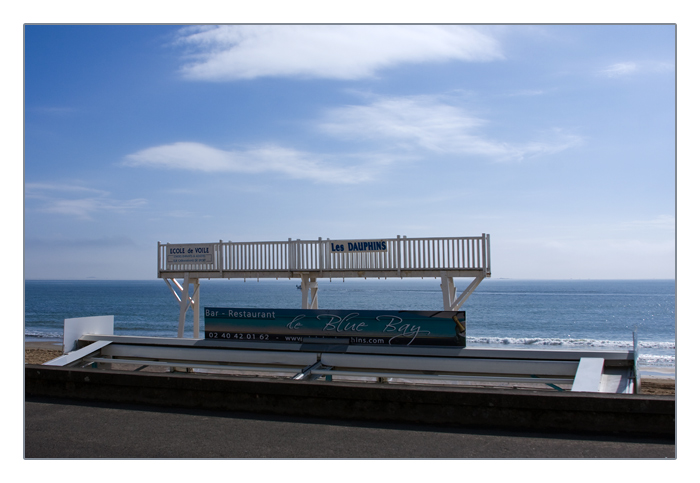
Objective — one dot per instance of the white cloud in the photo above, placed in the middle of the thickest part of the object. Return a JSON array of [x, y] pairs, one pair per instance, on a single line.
[[427, 123], [402, 128], [666, 222], [62, 242], [623, 69], [620, 69], [525, 93], [271, 159], [37, 190], [77, 201], [232, 52]]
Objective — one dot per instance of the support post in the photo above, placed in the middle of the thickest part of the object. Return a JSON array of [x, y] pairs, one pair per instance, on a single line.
[[182, 294], [184, 304], [309, 290], [448, 290], [313, 285], [195, 307], [635, 367], [304, 291]]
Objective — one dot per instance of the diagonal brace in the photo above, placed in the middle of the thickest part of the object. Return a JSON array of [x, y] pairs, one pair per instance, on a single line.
[[450, 302]]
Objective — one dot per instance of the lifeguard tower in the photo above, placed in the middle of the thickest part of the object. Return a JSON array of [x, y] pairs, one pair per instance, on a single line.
[[310, 260]]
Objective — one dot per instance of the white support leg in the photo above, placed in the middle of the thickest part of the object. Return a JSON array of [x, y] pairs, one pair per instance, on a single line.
[[182, 294], [304, 291], [448, 291], [313, 285], [195, 307], [309, 290], [184, 304]]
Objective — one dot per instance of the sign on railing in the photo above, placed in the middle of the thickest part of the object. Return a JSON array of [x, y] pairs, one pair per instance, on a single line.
[[353, 327], [358, 246], [185, 254]]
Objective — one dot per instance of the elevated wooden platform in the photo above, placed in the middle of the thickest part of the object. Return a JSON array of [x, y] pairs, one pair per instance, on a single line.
[[388, 257], [309, 260]]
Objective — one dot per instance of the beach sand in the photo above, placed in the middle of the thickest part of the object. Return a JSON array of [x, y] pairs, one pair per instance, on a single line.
[[40, 352], [665, 387], [652, 383]]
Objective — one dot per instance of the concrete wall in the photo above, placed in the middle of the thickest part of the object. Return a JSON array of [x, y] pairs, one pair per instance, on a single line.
[[468, 407]]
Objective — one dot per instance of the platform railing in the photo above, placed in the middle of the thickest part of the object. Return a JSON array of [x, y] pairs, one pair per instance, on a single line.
[[438, 253]]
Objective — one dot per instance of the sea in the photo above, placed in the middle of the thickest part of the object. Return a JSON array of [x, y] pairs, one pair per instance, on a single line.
[[562, 314]]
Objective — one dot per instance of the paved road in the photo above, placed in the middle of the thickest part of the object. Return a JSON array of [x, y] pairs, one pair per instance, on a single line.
[[72, 429]]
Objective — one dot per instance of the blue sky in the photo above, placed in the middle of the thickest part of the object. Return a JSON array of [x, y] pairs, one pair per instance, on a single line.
[[558, 141]]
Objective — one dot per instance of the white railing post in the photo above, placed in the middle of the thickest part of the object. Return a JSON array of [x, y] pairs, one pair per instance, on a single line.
[[220, 258], [403, 251], [299, 261], [397, 255], [488, 254]]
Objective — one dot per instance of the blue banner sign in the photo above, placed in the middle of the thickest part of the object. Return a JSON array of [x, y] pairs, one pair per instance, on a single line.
[[365, 327], [358, 246]]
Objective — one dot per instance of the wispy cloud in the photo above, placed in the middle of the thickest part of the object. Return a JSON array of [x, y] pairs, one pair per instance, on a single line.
[[287, 162], [77, 201], [625, 69], [101, 242], [40, 190], [666, 222], [399, 129], [525, 93], [431, 124], [620, 69], [233, 52]]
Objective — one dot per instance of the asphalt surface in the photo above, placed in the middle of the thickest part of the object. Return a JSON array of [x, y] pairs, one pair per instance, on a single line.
[[77, 429]]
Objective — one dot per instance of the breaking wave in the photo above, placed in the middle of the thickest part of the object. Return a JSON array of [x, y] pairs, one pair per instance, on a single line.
[[657, 354], [43, 334], [577, 343]]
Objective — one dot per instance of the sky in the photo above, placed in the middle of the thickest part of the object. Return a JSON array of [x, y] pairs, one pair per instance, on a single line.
[[557, 140]]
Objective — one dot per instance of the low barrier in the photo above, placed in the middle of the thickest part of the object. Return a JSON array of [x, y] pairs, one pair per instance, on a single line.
[[453, 407]]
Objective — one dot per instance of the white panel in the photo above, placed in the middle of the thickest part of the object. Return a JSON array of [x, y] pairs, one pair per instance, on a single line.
[[617, 380], [588, 375], [211, 355], [71, 357], [453, 364], [74, 328]]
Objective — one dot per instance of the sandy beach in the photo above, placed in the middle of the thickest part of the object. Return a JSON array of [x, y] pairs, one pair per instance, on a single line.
[[40, 352], [660, 381]]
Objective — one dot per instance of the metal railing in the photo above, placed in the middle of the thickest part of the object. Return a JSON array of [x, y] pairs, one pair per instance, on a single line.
[[401, 253]]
